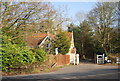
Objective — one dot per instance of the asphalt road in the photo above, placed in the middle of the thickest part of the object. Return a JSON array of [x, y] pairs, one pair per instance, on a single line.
[[81, 71]]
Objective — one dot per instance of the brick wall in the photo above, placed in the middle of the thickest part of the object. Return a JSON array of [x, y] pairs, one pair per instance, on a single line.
[[62, 59], [59, 59]]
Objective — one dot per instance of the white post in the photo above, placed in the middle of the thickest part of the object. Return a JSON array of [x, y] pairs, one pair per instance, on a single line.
[[56, 51], [103, 58], [97, 59], [74, 59], [77, 59]]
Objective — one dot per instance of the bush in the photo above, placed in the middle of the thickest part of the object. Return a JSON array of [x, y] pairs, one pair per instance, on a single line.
[[40, 55], [17, 55], [14, 55]]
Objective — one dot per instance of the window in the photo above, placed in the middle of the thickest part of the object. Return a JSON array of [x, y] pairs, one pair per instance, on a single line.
[[47, 45]]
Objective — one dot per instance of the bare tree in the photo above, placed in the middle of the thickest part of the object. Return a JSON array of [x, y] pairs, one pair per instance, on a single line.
[[80, 16], [102, 18]]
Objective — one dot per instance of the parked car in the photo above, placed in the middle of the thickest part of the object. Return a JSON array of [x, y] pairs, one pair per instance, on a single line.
[[118, 60], [109, 61]]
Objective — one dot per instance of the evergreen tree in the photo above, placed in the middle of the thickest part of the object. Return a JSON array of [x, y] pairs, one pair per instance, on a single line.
[[62, 42], [83, 39]]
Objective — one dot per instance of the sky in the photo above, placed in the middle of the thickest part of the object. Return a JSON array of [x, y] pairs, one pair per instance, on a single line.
[[74, 7]]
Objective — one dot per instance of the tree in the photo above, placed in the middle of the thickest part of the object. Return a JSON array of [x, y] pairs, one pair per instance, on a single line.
[[19, 18], [15, 16], [62, 42], [80, 16], [83, 39], [102, 18], [115, 42], [86, 34]]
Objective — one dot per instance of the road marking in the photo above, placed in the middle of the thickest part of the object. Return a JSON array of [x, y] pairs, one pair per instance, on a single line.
[[104, 74], [90, 76]]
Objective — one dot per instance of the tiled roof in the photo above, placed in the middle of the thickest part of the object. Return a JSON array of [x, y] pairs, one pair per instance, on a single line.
[[40, 35], [35, 39], [52, 36]]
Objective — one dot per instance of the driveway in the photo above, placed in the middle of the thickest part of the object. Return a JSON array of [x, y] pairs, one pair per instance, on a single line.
[[81, 71]]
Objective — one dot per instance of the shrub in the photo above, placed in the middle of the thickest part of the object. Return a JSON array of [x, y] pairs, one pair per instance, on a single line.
[[40, 55], [14, 55]]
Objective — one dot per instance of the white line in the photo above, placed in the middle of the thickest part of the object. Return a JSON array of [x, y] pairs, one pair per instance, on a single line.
[[104, 74]]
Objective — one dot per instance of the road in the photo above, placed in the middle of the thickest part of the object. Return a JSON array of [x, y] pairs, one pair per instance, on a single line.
[[81, 71]]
